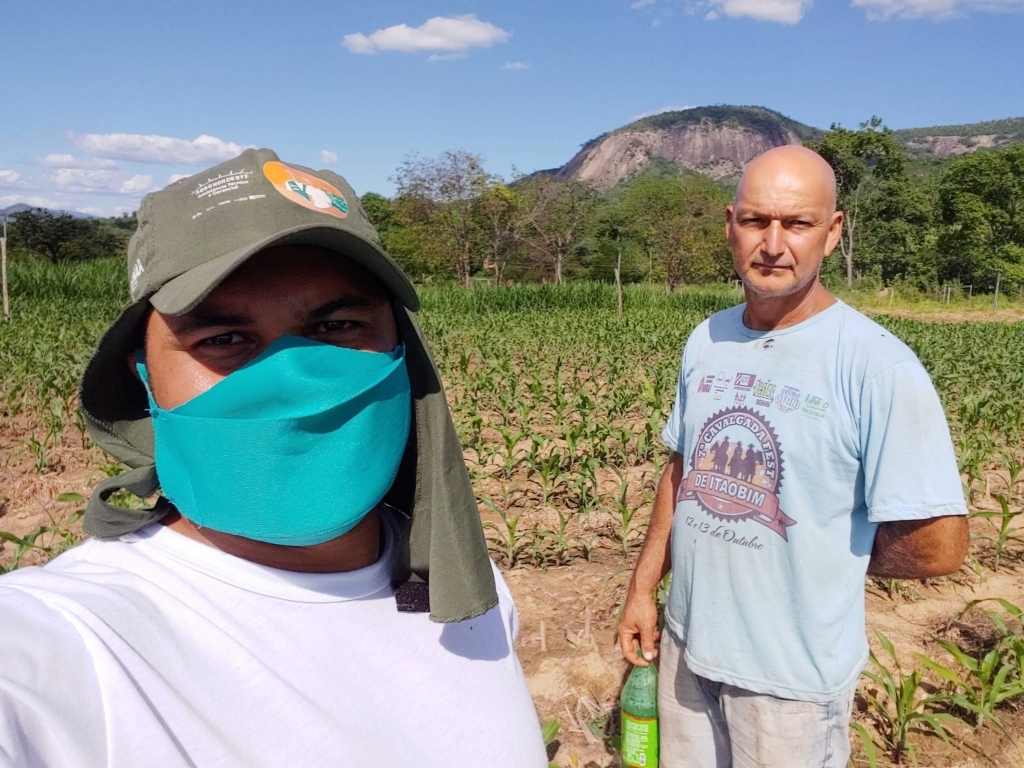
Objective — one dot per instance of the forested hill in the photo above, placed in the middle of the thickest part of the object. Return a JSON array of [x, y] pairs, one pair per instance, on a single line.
[[719, 141], [949, 140]]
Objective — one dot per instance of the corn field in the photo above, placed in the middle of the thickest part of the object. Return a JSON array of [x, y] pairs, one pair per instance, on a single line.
[[559, 403]]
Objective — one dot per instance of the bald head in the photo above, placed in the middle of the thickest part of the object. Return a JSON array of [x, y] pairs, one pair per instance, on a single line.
[[791, 169]]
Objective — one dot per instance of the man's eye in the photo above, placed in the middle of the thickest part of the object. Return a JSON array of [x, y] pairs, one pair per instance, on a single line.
[[222, 340], [333, 326]]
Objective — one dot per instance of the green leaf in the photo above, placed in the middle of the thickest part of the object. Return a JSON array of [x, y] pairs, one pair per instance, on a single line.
[[71, 497], [944, 672], [549, 729], [867, 743]]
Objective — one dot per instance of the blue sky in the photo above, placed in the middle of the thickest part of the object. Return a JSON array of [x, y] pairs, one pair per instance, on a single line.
[[104, 101]]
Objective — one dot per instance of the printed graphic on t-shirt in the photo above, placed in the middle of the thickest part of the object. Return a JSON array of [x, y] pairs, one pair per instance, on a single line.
[[788, 399], [736, 470], [764, 393], [814, 407], [721, 384], [744, 381]]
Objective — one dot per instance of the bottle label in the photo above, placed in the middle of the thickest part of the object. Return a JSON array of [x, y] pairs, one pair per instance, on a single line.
[[639, 741]]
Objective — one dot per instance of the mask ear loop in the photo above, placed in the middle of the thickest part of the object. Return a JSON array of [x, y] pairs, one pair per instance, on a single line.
[[143, 371]]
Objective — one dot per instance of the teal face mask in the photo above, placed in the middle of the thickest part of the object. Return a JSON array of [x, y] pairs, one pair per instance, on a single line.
[[296, 447]]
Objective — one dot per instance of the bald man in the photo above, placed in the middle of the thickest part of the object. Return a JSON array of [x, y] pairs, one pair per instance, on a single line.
[[850, 471]]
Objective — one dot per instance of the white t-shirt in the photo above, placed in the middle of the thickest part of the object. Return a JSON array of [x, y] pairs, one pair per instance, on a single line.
[[157, 650]]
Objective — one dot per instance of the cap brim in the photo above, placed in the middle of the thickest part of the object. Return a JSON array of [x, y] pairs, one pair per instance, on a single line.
[[186, 291]]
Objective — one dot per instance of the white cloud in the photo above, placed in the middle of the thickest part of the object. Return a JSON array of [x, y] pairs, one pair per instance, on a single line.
[[441, 33], [939, 9], [143, 148], [70, 161], [637, 4], [781, 11], [103, 182], [661, 111], [9, 177], [516, 65], [327, 157], [445, 56], [137, 184]]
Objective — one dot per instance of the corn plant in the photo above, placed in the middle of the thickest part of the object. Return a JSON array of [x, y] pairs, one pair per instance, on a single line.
[[988, 683], [57, 536], [990, 677], [510, 542], [900, 706], [1004, 533]]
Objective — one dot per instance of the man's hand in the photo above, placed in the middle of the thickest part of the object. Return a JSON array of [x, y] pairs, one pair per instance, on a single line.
[[638, 627], [919, 549]]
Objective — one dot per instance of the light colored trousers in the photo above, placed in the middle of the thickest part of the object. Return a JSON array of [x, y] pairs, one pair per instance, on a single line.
[[704, 724]]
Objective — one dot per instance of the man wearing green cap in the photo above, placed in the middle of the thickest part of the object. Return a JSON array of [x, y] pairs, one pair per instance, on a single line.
[[271, 382]]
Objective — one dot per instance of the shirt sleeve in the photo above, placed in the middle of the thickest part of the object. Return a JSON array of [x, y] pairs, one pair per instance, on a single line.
[[51, 709], [910, 469], [672, 434]]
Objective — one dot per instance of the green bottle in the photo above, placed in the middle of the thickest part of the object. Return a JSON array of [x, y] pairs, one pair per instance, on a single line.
[[639, 704]]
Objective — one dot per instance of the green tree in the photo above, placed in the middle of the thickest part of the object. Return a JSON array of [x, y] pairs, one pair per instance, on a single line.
[[63, 237], [436, 196], [616, 245], [379, 212], [897, 231], [560, 217], [679, 223], [502, 221], [981, 211], [863, 161]]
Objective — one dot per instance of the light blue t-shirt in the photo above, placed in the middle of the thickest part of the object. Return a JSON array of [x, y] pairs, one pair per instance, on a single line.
[[797, 443]]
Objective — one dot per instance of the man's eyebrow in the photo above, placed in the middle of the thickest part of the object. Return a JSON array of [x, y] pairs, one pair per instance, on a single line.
[[198, 321], [344, 302], [788, 216]]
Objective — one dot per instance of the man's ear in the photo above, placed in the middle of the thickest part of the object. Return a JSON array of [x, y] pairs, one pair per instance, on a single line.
[[728, 222], [835, 231], [131, 366]]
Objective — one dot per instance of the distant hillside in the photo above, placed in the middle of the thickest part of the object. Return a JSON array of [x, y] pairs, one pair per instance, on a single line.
[[19, 207], [949, 140], [719, 141]]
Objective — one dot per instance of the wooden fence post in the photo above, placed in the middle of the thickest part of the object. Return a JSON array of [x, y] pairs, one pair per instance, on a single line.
[[3, 271], [618, 282]]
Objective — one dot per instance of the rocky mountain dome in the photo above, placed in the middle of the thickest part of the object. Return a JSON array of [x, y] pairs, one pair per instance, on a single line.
[[716, 141], [719, 141]]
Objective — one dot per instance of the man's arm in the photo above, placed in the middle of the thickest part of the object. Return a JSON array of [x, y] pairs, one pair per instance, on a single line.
[[919, 549], [638, 625]]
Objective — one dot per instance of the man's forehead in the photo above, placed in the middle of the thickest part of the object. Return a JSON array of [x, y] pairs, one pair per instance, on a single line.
[[296, 270], [311, 284], [789, 176]]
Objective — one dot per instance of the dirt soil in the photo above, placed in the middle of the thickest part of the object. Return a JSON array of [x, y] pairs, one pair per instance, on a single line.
[[568, 613]]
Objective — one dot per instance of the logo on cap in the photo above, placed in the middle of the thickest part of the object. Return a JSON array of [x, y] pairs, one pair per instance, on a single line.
[[306, 189]]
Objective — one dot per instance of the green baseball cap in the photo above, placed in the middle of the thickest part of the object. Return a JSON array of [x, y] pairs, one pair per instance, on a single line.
[[195, 232]]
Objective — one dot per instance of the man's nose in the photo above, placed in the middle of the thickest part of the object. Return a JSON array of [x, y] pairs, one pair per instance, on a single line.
[[774, 243]]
